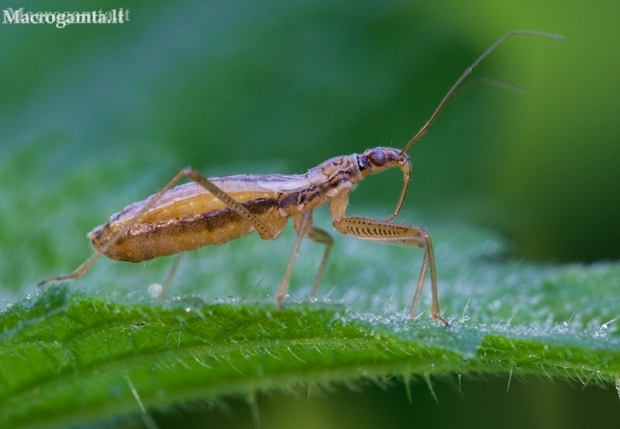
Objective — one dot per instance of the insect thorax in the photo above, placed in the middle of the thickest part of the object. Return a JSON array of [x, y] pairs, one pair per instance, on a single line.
[[325, 181]]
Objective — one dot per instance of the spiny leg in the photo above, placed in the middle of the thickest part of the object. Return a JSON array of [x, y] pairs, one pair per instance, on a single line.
[[387, 232], [263, 229]]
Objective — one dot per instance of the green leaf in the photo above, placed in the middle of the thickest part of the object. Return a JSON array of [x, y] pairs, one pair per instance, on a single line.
[[506, 317], [103, 116]]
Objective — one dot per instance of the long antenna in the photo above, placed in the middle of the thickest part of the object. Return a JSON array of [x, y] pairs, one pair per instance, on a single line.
[[453, 93]]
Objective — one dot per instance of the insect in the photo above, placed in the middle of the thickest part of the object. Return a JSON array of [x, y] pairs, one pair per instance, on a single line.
[[217, 210]]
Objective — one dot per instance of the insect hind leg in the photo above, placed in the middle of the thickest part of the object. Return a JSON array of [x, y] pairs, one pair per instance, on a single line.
[[263, 229]]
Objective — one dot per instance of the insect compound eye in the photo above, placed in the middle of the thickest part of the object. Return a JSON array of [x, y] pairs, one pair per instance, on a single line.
[[377, 157]]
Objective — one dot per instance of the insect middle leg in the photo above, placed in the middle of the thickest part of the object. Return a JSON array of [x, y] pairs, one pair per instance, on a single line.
[[305, 229]]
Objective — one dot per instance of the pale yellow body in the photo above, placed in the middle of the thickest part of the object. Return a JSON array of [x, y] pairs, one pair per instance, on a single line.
[[217, 210], [189, 216]]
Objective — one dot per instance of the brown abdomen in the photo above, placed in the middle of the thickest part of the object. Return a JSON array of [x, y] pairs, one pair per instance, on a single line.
[[149, 240]]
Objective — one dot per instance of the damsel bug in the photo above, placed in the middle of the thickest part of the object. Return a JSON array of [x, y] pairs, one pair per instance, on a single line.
[[218, 210]]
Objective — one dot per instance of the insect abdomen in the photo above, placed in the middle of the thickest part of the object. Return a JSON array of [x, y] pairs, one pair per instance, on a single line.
[[150, 240]]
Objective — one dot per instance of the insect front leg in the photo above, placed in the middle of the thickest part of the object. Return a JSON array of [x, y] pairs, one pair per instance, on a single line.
[[305, 229], [392, 233]]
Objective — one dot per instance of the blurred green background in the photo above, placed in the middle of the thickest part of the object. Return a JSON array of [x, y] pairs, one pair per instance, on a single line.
[[277, 86]]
